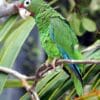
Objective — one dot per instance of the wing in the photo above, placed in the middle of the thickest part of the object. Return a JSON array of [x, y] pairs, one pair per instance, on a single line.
[[65, 40], [64, 37]]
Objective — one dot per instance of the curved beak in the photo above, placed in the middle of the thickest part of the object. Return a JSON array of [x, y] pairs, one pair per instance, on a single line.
[[23, 12]]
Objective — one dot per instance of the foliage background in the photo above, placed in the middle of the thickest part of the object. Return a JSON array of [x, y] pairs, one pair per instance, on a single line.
[[84, 17]]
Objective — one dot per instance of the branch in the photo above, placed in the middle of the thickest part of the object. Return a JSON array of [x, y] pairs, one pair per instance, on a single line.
[[24, 79], [93, 47], [7, 9], [61, 61], [15, 74], [42, 70], [46, 67], [58, 62]]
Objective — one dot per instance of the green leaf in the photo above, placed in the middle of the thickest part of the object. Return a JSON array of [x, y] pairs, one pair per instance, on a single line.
[[7, 26], [93, 51], [78, 85], [64, 87], [88, 24], [14, 83], [26, 96], [42, 83], [96, 82], [45, 80], [75, 23], [12, 45], [50, 83]]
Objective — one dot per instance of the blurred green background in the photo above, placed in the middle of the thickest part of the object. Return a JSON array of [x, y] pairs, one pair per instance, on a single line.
[[84, 18]]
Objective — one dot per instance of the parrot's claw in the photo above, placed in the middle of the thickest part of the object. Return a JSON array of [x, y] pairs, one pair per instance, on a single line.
[[53, 64], [42, 70], [45, 68]]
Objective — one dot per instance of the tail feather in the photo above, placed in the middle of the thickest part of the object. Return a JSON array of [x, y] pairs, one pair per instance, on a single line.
[[74, 68]]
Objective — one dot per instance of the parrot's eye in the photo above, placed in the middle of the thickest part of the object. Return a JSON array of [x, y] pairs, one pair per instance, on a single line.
[[27, 3]]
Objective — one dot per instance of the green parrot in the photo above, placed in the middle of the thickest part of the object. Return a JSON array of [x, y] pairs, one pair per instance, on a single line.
[[56, 36]]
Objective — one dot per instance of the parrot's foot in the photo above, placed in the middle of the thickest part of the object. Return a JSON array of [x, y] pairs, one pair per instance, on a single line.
[[45, 68], [40, 73], [53, 64], [42, 70]]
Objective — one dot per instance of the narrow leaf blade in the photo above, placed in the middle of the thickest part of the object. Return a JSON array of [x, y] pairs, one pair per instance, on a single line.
[[12, 46]]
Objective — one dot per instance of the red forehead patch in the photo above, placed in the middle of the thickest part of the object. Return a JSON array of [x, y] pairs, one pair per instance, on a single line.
[[21, 6]]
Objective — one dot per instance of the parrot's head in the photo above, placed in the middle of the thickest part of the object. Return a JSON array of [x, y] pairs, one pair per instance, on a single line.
[[29, 7]]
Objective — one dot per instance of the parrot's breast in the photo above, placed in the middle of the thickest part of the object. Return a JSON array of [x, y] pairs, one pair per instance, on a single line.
[[48, 45]]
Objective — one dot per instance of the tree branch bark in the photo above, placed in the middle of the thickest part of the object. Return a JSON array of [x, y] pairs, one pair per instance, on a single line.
[[61, 61], [16, 74], [23, 79]]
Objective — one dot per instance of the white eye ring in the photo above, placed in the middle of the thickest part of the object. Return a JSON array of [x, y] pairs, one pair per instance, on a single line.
[[27, 3]]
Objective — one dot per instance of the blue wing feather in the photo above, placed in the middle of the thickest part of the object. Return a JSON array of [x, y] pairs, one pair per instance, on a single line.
[[73, 67]]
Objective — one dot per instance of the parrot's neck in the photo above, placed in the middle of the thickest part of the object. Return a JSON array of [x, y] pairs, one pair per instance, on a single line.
[[43, 13], [39, 6]]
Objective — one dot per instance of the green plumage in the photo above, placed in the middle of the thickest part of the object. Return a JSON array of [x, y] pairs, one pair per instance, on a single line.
[[56, 36], [49, 46], [47, 17], [60, 28]]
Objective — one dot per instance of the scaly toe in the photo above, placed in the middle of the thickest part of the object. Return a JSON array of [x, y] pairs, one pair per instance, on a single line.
[[54, 62]]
